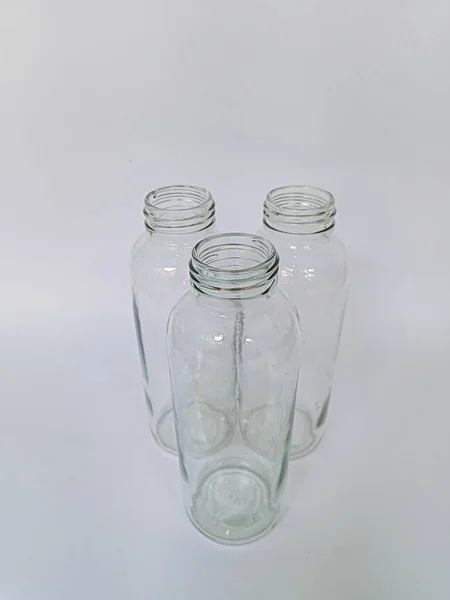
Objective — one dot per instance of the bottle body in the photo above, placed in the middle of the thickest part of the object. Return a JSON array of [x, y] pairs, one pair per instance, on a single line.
[[159, 273], [313, 273], [233, 355]]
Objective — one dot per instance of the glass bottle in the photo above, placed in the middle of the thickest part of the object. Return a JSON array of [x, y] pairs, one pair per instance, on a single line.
[[299, 221], [233, 343], [176, 218]]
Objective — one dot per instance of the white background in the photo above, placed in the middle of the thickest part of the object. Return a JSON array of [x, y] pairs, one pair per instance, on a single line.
[[101, 101]]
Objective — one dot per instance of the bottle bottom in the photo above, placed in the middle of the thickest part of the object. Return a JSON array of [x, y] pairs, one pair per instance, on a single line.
[[232, 505], [262, 429], [305, 436], [206, 429], [164, 433]]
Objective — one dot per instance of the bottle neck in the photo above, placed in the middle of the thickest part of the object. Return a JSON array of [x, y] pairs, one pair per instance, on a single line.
[[299, 209], [179, 209], [234, 266]]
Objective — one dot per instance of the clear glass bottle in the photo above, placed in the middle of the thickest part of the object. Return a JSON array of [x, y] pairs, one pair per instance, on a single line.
[[299, 221], [233, 343], [176, 218]]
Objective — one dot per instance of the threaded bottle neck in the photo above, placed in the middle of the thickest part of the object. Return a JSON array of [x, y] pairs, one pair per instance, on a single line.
[[234, 266], [299, 209], [179, 209]]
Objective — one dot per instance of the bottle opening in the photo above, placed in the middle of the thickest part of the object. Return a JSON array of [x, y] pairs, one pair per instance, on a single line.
[[179, 209], [234, 265], [299, 209]]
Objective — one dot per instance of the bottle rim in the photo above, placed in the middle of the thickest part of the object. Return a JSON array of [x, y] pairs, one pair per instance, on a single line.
[[234, 265], [302, 209], [179, 209]]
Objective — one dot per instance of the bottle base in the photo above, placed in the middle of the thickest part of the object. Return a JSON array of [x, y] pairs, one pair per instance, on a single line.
[[262, 427], [207, 430], [232, 505], [164, 434], [305, 437]]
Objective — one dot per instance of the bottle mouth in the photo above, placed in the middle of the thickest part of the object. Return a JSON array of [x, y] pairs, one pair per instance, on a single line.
[[234, 265], [179, 209], [300, 209]]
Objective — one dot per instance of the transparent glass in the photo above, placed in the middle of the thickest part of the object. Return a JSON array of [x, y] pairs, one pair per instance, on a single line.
[[233, 343], [299, 221], [176, 218]]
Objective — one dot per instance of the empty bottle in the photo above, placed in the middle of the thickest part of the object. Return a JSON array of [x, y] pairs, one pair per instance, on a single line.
[[233, 343], [299, 221], [176, 218]]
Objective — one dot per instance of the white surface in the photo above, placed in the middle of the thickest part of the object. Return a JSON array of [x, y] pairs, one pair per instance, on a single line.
[[101, 101]]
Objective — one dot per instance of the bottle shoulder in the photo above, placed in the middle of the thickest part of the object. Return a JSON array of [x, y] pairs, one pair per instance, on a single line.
[[265, 320], [306, 247], [314, 260], [159, 262], [160, 250]]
